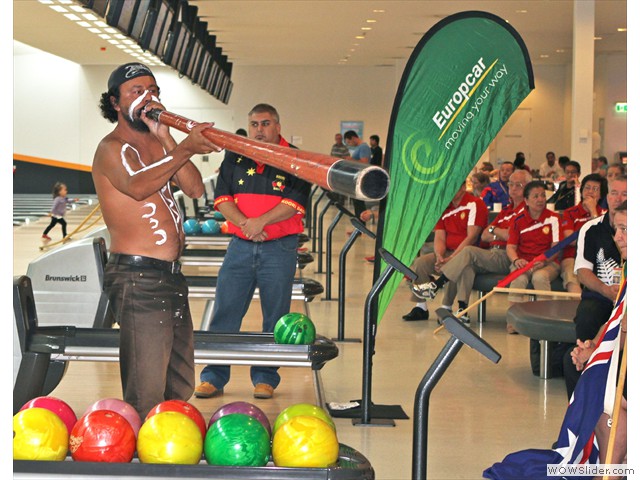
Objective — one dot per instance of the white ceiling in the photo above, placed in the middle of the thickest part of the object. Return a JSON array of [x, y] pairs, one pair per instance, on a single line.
[[322, 32]]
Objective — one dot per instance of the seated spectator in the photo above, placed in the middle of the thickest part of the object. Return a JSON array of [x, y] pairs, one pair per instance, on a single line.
[[533, 232], [499, 190], [615, 170], [460, 225], [592, 189], [549, 169], [565, 196], [519, 162], [597, 260], [473, 260], [480, 182], [583, 351], [601, 165]]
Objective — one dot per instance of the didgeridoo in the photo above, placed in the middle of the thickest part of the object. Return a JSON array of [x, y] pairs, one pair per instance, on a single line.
[[354, 179]]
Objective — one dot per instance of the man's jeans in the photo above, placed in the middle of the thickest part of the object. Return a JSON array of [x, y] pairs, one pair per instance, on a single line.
[[269, 266]]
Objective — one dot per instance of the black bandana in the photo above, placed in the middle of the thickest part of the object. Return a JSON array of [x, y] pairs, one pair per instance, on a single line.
[[126, 72]]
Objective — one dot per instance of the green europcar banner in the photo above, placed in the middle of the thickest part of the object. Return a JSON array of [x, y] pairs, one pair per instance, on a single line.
[[464, 79]]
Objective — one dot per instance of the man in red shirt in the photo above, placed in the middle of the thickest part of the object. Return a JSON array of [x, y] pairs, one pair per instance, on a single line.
[[472, 260], [592, 189], [459, 226]]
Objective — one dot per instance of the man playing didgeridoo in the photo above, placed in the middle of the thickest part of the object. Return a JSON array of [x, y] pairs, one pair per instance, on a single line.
[[132, 170]]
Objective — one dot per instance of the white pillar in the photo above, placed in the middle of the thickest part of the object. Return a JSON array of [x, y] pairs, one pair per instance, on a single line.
[[582, 83]]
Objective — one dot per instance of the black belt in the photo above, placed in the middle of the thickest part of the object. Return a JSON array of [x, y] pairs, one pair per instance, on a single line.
[[144, 262]]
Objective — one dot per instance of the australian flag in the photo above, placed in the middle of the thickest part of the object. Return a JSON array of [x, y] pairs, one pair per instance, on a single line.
[[592, 396]]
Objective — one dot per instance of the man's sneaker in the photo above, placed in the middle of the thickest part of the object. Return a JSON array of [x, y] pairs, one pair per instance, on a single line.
[[46, 238], [206, 390], [426, 291], [464, 318], [415, 314], [263, 390]]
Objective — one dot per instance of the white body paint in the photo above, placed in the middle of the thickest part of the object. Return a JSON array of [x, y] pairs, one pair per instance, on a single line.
[[164, 192]]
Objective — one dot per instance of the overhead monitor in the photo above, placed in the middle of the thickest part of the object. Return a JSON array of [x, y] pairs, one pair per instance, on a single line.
[[139, 17]]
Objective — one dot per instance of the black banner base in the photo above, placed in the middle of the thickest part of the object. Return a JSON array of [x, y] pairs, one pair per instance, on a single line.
[[375, 411]]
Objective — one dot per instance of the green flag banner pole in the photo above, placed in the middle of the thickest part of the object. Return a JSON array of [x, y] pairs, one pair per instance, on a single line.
[[464, 79]]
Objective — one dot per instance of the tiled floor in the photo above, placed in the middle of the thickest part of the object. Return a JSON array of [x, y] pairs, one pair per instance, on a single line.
[[479, 411]]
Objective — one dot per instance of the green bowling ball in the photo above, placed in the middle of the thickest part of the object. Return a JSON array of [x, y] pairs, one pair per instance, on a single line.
[[294, 329], [237, 440]]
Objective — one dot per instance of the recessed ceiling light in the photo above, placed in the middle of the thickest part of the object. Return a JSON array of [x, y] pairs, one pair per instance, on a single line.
[[90, 17], [560, 50], [622, 29], [360, 37], [370, 20], [378, 11], [544, 55], [597, 38], [72, 16], [365, 29], [59, 8], [521, 11]]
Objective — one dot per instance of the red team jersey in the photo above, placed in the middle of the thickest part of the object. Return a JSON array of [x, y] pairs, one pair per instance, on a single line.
[[454, 221], [573, 219], [504, 220], [534, 237]]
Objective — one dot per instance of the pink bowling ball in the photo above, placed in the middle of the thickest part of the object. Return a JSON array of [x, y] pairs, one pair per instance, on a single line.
[[119, 406]]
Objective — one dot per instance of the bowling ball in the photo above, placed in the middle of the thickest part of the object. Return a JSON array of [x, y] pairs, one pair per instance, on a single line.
[[119, 406], [224, 227], [238, 440], [294, 329], [210, 227], [307, 409], [39, 434], [57, 406], [170, 437], [242, 407], [218, 216], [183, 407], [102, 436], [191, 227], [305, 441]]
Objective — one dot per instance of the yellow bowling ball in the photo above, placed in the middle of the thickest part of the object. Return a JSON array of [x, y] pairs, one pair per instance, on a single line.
[[305, 441], [170, 437], [39, 434]]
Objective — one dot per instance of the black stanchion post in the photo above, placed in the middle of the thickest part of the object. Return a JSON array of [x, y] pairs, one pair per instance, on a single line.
[[460, 335], [334, 223], [370, 326], [319, 234], [314, 222], [358, 230], [308, 213]]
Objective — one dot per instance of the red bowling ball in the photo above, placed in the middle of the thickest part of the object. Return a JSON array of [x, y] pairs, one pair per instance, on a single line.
[[102, 436], [57, 406], [182, 407]]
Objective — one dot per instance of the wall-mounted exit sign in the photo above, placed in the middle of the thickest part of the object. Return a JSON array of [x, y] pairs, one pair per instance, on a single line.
[[621, 107]]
